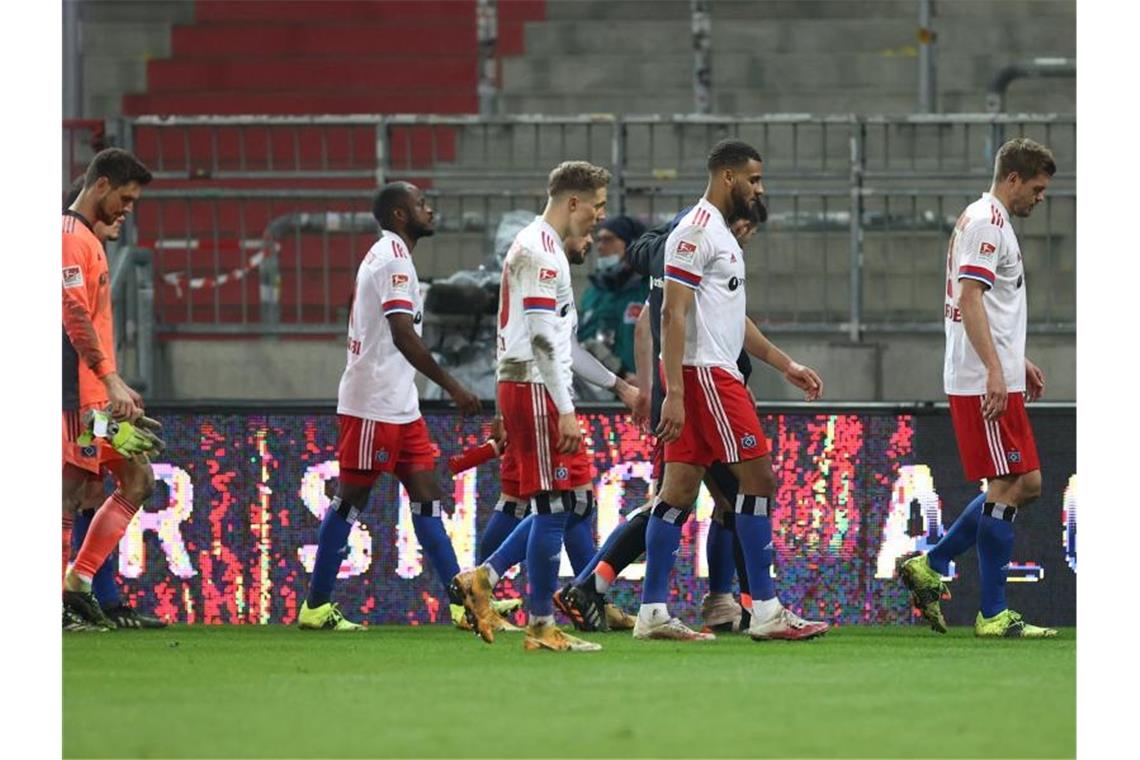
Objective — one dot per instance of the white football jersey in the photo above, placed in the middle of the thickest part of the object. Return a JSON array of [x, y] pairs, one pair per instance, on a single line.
[[983, 247], [536, 279], [378, 382], [701, 253]]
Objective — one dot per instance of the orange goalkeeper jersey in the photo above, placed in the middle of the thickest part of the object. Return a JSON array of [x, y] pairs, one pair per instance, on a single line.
[[87, 308]]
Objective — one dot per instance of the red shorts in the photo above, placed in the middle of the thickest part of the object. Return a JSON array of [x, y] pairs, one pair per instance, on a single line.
[[531, 463], [657, 459], [988, 449], [367, 448], [720, 421], [91, 459]]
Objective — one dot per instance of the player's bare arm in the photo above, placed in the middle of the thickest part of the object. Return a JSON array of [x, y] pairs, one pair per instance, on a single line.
[[643, 364], [805, 378], [412, 347], [674, 310], [978, 331], [1034, 381]]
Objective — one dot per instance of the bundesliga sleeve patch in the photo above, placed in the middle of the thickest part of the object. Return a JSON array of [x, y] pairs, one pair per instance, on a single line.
[[545, 275], [401, 282], [987, 248], [686, 252], [72, 277]]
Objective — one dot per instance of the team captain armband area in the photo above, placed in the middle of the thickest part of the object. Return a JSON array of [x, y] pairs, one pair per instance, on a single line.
[[230, 534]]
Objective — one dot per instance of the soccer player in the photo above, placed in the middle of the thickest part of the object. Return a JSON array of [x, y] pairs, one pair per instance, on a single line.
[[504, 541], [546, 455], [707, 413], [103, 585], [988, 379], [381, 428], [112, 184], [719, 611]]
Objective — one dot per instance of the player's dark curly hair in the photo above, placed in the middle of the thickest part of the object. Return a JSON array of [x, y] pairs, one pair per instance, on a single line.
[[730, 153], [394, 195], [1026, 157], [118, 166]]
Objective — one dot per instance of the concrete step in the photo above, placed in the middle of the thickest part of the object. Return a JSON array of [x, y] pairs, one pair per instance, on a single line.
[[135, 11], [636, 10], [767, 73], [107, 74], [744, 10], [143, 39], [769, 36]]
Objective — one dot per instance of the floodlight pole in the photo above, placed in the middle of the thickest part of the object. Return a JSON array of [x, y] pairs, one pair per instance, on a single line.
[[702, 56]]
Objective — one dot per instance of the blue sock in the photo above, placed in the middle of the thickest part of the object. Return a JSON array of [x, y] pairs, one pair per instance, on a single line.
[[103, 584], [662, 538], [588, 570], [719, 555], [513, 550], [579, 540], [961, 536], [995, 546], [543, 555], [755, 530], [79, 527], [498, 528], [434, 540], [332, 547]]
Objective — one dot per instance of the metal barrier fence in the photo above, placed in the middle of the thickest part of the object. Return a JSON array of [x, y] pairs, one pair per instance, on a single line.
[[861, 206]]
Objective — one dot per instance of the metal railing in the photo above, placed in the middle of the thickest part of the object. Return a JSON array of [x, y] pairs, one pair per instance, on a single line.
[[861, 206]]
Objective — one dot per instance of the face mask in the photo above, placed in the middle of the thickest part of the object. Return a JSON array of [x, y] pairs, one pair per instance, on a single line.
[[608, 262]]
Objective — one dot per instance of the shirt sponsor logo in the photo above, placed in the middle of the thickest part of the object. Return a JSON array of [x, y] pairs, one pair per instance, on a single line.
[[72, 277], [418, 318], [565, 309], [748, 441], [401, 282], [632, 312], [1020, 279], [545, 275], [735, 282], [988, 248]]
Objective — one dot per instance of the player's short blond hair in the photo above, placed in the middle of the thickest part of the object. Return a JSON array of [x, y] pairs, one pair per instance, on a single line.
[[1026, 157], [576, 177]]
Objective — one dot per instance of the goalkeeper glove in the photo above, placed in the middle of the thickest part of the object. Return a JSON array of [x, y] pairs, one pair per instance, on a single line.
[[127, 438]]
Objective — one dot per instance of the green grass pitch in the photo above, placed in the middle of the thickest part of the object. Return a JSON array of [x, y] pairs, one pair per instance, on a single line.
[[401, 691]]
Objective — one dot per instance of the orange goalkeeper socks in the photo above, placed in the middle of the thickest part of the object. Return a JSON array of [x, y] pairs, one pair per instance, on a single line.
[[107, 527]]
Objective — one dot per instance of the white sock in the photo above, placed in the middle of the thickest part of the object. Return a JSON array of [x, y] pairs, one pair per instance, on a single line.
[[763, 611], [652, 613], [491, 574], [542, 620]]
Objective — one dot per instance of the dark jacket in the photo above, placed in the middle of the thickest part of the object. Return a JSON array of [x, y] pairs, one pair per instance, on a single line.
[[647, 256]]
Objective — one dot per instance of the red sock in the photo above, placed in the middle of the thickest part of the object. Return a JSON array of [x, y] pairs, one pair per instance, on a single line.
[[107, 527], [746, 601], [68, 520]]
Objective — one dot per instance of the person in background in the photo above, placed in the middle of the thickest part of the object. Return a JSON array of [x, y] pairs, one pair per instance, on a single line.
[[614, 298]]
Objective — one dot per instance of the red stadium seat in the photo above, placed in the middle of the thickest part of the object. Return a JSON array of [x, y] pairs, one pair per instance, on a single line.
[[295, 57]]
